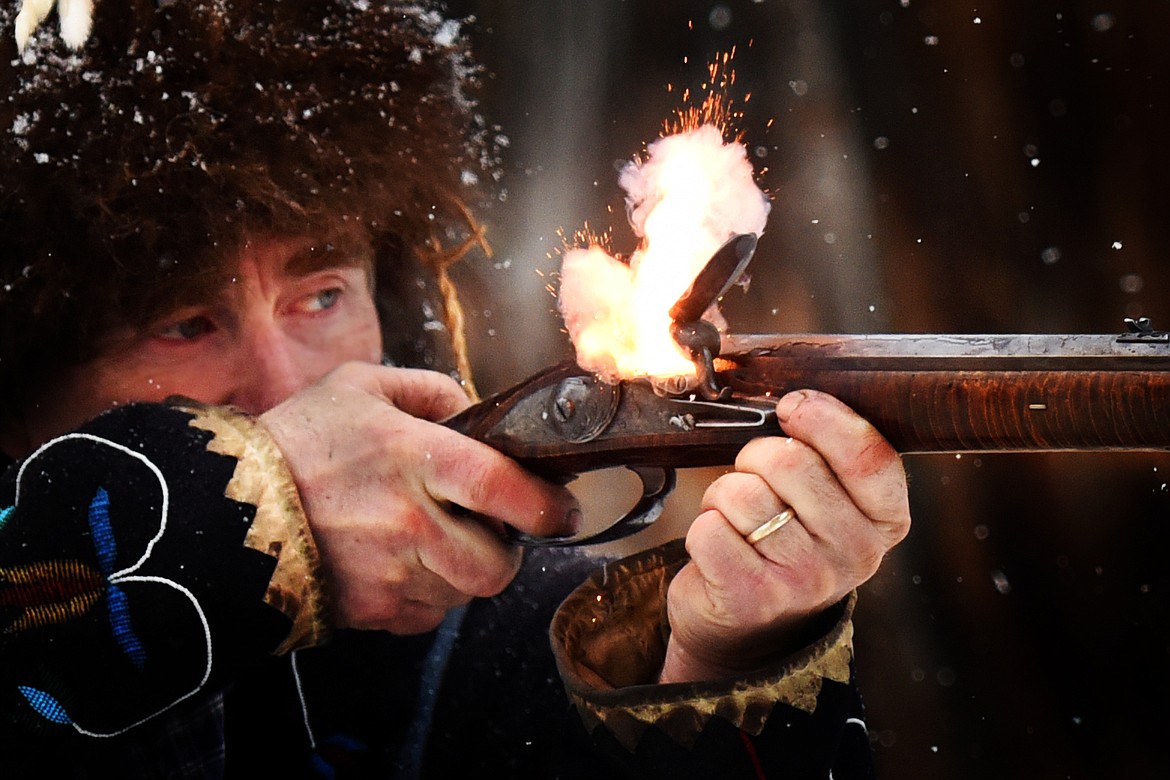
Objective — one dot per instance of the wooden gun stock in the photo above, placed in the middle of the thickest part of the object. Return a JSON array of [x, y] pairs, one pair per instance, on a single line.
[[924, 393], [956, 393]]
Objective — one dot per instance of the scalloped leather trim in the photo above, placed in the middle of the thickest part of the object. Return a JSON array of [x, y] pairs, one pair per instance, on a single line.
[[280, 528], [610, 611]]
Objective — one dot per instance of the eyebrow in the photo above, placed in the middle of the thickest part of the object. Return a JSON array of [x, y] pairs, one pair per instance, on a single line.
[[315, 256]]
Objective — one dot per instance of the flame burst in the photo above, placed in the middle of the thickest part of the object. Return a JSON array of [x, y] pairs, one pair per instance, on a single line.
[[685, 197]]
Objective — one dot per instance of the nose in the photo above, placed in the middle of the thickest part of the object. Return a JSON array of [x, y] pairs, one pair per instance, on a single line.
[[271, 365]]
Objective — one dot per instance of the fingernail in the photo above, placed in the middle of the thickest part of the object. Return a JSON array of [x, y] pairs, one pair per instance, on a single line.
[[787, 405]]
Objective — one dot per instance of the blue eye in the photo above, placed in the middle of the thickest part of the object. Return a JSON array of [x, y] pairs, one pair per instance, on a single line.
[[324, 299], [186, 330]]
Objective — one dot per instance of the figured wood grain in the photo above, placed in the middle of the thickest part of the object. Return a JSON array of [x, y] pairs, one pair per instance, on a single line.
[[928, 393], [974, 393]]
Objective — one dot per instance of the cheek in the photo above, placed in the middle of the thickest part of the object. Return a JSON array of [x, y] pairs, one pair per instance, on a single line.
[[362, 338], [148, 380], [151, 370]]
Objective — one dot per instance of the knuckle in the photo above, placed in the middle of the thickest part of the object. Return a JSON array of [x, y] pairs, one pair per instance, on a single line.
[[874, 454], [868, 562], [474, 468], [415, 526], [862, 556], [896, 526], [706, 524], [716, 492], [481, 484], [820, 585], [495, 579], [900, 528], [772, 454], [447, 384], [737, 487], [761, 581], [804, 577], [449, 395], [702, 530]]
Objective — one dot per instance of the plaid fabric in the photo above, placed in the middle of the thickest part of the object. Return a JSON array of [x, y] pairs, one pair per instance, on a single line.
[[187, 743]]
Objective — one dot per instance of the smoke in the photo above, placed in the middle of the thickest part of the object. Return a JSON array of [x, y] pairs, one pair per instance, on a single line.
[[689, 195], [697, 183]]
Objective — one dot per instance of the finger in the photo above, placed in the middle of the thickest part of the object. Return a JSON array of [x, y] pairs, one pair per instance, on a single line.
[[864, 463], [743, 498], [800, 477], [376, 600], [429, 587], [430, 557], [797, 479], [713, 547], [474, 476], [471, 557], [745, 501], [373, 578], [418, 392], [739, 585]]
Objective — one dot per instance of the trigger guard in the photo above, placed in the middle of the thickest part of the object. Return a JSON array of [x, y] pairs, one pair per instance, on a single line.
[[657, 484]]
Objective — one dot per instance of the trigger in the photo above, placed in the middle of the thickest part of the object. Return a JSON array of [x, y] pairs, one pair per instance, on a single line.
[[657, 484]]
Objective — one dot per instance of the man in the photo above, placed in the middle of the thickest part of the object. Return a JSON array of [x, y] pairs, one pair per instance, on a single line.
[[246, 206]]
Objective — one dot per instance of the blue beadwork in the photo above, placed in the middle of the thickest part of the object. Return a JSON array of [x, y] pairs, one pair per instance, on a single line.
[[120, 622], [5, 513], [116, 601], [46, 705], [103, 534]]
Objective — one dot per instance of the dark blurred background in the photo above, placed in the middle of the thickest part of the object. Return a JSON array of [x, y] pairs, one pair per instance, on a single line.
[[934, 167]]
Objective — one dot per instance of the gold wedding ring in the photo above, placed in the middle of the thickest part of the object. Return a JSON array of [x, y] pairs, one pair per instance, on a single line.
[[771, 527]]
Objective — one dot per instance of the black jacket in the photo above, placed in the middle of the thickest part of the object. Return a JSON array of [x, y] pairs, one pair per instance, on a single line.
[[162, 617]]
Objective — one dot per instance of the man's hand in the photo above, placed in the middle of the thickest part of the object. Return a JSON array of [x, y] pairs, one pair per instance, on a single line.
[[737, 605], [383, 486]]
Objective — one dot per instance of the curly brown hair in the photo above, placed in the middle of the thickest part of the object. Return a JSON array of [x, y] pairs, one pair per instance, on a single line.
[[131, 168]]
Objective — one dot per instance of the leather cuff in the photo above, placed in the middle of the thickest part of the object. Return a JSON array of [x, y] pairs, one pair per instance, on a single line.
[[609, 638], [280, 528]]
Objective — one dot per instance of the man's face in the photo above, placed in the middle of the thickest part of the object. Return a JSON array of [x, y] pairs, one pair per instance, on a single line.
[[278, 326]]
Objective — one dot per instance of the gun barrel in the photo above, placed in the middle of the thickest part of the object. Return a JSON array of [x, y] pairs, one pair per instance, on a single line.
[[963, 393]]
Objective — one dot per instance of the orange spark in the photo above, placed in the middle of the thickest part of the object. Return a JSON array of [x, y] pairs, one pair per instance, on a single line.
[[689, 193]]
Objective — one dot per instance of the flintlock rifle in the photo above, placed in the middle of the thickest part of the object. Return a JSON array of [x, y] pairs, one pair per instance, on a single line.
[[924, 393]]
